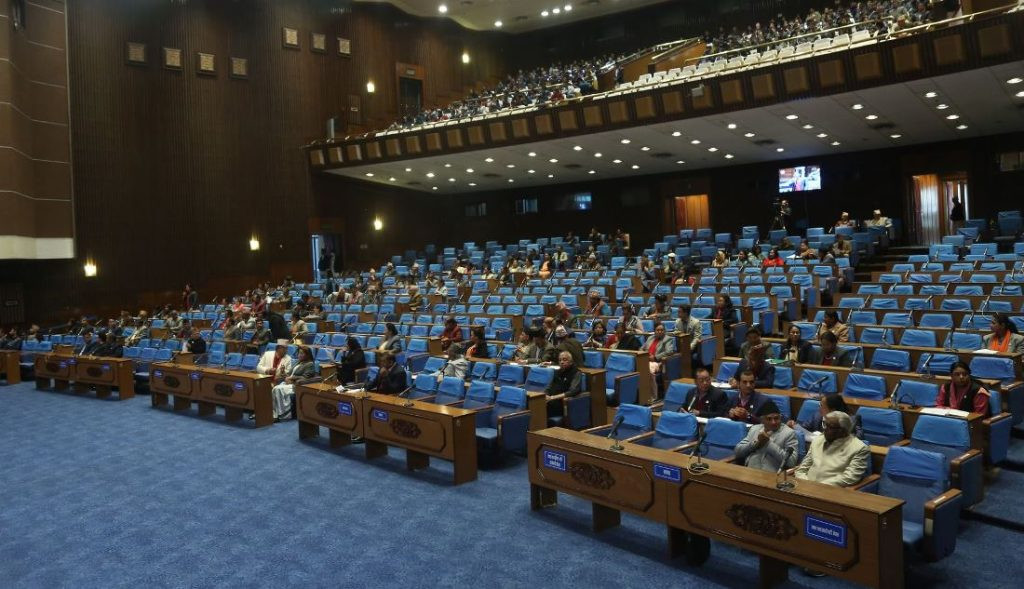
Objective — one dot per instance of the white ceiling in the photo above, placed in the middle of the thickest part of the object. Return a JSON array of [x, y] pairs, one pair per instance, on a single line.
[[982, 99], [517, 16]]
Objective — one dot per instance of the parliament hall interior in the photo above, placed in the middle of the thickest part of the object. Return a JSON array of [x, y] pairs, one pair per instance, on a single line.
[[518, 293]]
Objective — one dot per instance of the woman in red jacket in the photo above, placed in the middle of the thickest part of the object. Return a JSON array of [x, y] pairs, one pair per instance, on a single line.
[[773, 259]]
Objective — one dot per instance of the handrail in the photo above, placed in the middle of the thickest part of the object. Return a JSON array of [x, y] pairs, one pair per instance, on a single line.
[[787, 40]]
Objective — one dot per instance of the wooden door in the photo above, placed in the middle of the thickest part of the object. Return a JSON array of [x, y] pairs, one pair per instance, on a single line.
[[692, 212]]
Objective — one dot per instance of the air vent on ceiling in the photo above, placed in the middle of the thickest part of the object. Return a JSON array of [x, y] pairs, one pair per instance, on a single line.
[[661, 154], [764, 142], [883, 126], [590, 2], [572, 166], [492, 175], [415, 183], [520, 18]]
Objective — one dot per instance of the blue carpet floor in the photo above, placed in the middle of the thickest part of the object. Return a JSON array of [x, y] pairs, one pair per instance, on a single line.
[[118, 494]]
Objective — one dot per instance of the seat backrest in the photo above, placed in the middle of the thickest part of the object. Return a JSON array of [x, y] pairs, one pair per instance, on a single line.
[[677, 425], [724, 433], [881, 426], [886, 359], [864, 386], [540, 376], [726, 370], [510, 399], [917, 392], [944, 432], [809, 410], [675, 396], [942, 320], [511, 374], [618, 364], [810, 376], [636, 417], [425, 383], [479, 393], [452, 386], [995, 368], [916, 476]]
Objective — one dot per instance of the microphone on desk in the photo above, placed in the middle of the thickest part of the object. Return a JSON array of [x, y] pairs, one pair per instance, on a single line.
[[970, 319], [949, 341], [201, 359], [894, 398], [817, 384], [615, 429], [405, 395], [925, 372], [867, 301], [984, 304], [856, 365], [693, 401], [332, 376], [929, 299], [885, 340], [785, 484], [782, 467], [699, 466]]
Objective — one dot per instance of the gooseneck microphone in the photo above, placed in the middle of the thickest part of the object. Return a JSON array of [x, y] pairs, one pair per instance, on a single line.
[[616, 446], [699, 466]]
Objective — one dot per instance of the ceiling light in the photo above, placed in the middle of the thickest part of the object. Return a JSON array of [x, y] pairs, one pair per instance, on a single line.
[[510, 180], [680, 162], [430, 174], [472, 183], [551, 175], [577, 148], [780, 149], [930, 94], [489, 160], [1015, 80], [408, 169], [961, 127], [895, 136], [568, 8], [835, 143], [712, 149], [635, 167], [469, 170], [369, 174], [597, 154], [1020, 94], [822, 135], [556, 10], [791, 117], [731, 125], [748, 135], [808, 126], [871, 117], [544, 13], [442, 8], [942, 106], [624, 142], [676, 133], [433, 187], [530, 171], [616, 161], [695, 142], [451, 179], [952, 117], [447, 165], [90, 269], [553, 160], [645, 148], [857, 106], [497, 24], [510, 166], [465, 57], [532, 154], [391, 179], [728, 156], [592, 172]]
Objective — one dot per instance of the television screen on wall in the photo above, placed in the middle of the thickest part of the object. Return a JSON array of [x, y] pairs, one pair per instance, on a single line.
[[800, 179]]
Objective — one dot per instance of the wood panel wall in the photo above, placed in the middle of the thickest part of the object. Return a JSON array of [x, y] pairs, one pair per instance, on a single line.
[[35, 158], [174, 171]]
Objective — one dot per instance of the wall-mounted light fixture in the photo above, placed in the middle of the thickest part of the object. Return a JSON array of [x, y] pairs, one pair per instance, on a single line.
[[90, 269], [370, 88], [378, 224], [254, 244]]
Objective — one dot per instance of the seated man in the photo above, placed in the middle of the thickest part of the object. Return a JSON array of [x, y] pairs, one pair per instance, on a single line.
[[452, 333], [837, 457], [539, 349], [260, 338], [390, 379], [194, 343], [830, 322], [841, 248], [565, 341], [659, 348], [828, 352], [689, 325], [748, 402], [276, 363], [845, 220], [108, 346], [753, 339], [172, 323], [416, 301], [705, 400], [567, 382], [878, 220], [88, 346], [596, 306], [769, 444], [764, 372], [283, 394]]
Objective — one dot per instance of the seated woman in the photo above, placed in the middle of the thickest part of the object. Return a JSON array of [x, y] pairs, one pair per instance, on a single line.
[[659, 310], [725, 311], [795, 348], [756, 256], [805, 252], [352, 359], [392, 342], [720, 260], [773, 259], [962, 392], [659, 347], [623, 339], [545, 267], [1004, 337], [477, 344], [598, 335]]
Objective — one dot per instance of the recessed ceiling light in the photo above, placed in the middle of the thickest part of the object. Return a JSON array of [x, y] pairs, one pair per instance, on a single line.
[[645, 148], [712, 149], [430, 174], [592, 172], [728, 156], [834, 143], [556, 10], [625, 142], [961, 127], [497, 24], [510, 166], [616, 161], [695, 142], [391, 179], [942, 106], [857, 106], [369, 174], [780, 149], [791, 117], [676, 133], [532, 154], [597, 154], [952, 117], [731, 125], [930, 94], [447, 165], [433, 187], [530, 171], [895, 135], [1020, 94], [442, 8], [1015, 80], [822, 135], [489, 160], [680, 162], [544, 13], [748, 135], [567, 8], [451, 179], [577, 148], [808, 126], [635, 167], [871, 117], [553, 160], [408, 169], [510, 180], [472, 183], [551, 175], [469, 170]]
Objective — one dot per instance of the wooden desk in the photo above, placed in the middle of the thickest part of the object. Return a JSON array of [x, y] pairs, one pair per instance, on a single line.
[[9, 366], [320, 405], [596, 385], [173, 380], [235, 391], [85, 372], [423, 429], [728, 503]]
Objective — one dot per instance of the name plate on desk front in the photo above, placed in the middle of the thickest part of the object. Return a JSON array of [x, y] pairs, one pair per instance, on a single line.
[[825, 531], [555, 460], [672, 474]]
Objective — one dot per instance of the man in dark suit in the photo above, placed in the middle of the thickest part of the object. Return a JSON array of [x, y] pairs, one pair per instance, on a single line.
[[828, 352], [108, 346], [706, 400], [390, 379], [748, 402], [88, 346], [278, 327]]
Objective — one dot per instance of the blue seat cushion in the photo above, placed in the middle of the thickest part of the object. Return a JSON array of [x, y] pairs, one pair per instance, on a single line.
[[487, 437], [913, 533], [717, 453]]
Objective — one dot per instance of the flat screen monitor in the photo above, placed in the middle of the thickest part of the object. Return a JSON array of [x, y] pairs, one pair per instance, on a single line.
[[800, 179]]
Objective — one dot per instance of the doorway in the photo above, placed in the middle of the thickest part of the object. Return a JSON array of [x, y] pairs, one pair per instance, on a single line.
[[692, 212], [410, 96], [926, 209], [954, 189]]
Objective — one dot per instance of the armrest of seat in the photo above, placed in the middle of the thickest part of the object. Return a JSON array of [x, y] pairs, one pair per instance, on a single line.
[[790, 309], [512, 428], [642, 436], [416, 362], [941, 522], [360, 374], [903, 442], [659, 406], [966, 471], [672, 367], [600, 430], [998, 428], [627, 387], [868, 484], [577, 410]]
